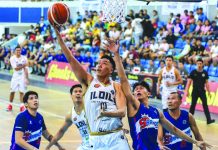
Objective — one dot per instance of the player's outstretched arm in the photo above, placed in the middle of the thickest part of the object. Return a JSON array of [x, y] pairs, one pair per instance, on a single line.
[[60, 133], [77, 68], [171, 128], [195, 130], [132, 103]]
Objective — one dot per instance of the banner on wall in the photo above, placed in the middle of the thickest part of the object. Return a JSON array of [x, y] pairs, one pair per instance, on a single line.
[[179, 7], [89, 5], [211, 101], [61, 73]]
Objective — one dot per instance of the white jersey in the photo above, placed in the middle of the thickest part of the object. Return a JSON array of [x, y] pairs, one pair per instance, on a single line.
[[96, 97], [81, 123], [168, 76], [16, 62]]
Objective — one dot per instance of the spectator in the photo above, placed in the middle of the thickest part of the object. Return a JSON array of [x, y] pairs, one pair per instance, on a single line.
[[171, 39], [137, 29], [169, 25], [172, 18], [185, 51], [183, 72], [146, 24], [151, 69], [201, 15], [214, 52], [154, 18], [78, 56], [88, 60], [124, 52], [161, 66], [197, 50], [178, 28], [163, 48], [160, 36], [133, 54], [213, 30], [145, 14], [127, 37], [184, 18]]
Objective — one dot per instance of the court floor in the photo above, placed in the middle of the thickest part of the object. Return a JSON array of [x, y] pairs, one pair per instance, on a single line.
[[54, 105]]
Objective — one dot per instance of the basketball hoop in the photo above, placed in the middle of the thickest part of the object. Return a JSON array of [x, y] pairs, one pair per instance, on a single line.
[[114, 10]]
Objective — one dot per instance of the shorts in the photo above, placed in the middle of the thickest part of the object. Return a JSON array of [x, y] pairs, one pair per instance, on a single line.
[[84, 147], [18, 85], [112, 141]]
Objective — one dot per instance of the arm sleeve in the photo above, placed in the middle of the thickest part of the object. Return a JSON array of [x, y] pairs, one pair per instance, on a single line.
[[191, 75], [20, 123], [43, 125]]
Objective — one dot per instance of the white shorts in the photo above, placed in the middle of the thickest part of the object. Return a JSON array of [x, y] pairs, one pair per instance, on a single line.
[[84, 147], [112, 141], [164, 99], [18, 85]]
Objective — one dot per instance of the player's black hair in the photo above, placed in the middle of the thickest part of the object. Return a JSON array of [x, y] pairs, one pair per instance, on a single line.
[[142, 83], [110, 59], [27, 94], [178, 95], [75, 86], [169, 56], [18, 46], [200, 59]]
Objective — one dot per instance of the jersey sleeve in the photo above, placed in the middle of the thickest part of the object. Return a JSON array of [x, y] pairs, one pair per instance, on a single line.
[[13, 63], [191, 75], [20, 123]]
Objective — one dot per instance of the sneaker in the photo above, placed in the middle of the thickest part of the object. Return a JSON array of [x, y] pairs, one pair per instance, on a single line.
[[210, 121], [9, 108], [22, 108]]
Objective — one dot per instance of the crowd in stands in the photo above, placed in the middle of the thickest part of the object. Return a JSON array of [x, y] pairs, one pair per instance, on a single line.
[[145, 40]]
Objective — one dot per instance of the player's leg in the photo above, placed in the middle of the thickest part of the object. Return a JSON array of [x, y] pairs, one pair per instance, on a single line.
[[13, 89], [22, 90], [194, 102]]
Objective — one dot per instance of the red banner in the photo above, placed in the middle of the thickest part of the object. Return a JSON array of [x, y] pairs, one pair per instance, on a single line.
[[61, 73], [211, 101]]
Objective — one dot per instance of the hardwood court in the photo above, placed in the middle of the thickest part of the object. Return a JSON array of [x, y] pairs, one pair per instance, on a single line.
[[54, 105]]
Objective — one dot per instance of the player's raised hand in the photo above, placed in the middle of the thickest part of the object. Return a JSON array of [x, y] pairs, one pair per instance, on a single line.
[[111, 45]]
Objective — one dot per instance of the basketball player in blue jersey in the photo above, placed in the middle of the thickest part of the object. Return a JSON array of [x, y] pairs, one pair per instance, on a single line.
[[143, 118], [77, 117], [104, 102], [30, 126], [181, 119]]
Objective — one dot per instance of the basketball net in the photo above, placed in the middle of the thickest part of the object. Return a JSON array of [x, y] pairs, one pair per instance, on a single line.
[[114, 10]]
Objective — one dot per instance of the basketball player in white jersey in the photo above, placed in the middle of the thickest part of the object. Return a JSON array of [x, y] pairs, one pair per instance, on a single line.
[[77, 117], [170, 78], [19, 78], [104, 102]]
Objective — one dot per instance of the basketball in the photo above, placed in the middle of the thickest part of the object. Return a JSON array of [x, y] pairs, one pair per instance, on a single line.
[[58, 14]]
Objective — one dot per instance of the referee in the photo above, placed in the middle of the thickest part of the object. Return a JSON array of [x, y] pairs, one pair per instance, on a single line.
[[199, 78]]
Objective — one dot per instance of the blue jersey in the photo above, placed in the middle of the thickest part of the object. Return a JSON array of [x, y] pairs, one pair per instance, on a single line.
[[144, 128], [32, 128], [173, 142]]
